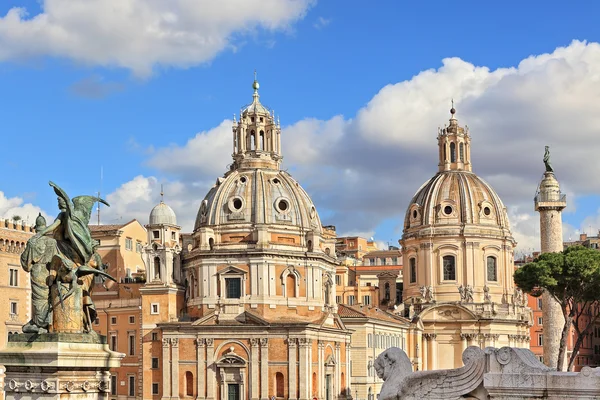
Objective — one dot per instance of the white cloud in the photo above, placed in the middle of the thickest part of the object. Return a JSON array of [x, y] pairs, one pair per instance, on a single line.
[[140, 34], [321, 22], [16, 206], [365, 170]]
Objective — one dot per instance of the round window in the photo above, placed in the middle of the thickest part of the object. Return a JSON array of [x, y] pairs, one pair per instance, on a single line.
[[487, 211], [415, 214], [243, 179], [276, 181], [448, 210], [283, 205], [236, 204]]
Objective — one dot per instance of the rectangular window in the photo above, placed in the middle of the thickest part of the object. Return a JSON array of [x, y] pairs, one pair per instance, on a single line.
[[97, 321], [131, 344], [173, 237], [366, 300], [449, 268], [128, 244], [13, 277], [372, 261], [233, 288], [539, 304], [154, 336], [413, 269], [351, 300], [113, 385], [113, 342], [131, 385], [13, 308], [338, 299], [154, 388], [540, 339], [113, 320], [492, 270], [382, 260], [131, 319], [394, 260], [154, 308], [156, 234], [154, 362], [540, 321], [138, 247], [338, 280]]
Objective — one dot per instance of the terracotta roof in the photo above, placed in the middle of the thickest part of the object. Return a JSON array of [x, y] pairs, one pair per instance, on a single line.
[[367, 312], [108, 228], [379, 253]]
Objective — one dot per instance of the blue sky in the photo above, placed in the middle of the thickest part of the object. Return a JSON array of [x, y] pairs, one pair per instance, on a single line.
[[68, 111]]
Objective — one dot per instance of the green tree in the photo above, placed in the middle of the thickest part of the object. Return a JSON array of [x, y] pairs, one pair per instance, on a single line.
[[572, 278], [16, 218]]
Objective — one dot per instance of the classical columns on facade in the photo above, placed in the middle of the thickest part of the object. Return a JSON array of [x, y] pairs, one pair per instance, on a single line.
[[320, 368], [292, 343], [166, 368], [338, 369], [254, 367], [305, 361], [210, 369], [429, 351], [348, 370], [264, 368], [200, 368], [175, 368]]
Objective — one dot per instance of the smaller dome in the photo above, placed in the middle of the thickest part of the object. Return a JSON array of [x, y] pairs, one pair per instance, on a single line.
[[162, 214]]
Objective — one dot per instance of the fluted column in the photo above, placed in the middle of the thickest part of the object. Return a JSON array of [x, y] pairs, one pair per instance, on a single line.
[[264, 368], [304, 378], [200, 368], [166, 369], [254, 368], [210, 369], [321, 377], [175, 368], [292, 368]]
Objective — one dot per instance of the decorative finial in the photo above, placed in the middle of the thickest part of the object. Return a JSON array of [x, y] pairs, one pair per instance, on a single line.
[[234, 121], [255, 84], [162, 193], [453, 110]]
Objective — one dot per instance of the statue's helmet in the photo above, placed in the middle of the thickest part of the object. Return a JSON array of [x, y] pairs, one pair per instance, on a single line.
[[40, 222]]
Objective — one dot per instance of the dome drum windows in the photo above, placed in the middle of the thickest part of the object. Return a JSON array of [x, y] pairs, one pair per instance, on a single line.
[[447, 212], [449, 268], [414, 217], [412, 265], [486, 213], [236, 206], [492, 269]]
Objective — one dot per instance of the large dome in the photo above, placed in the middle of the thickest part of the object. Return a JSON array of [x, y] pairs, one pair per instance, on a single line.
[[162, 214], [257, 196], [456, 197]]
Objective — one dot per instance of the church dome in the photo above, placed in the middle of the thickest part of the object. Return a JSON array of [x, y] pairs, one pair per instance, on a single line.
[[162, 214], [258, 196], [457, 198]]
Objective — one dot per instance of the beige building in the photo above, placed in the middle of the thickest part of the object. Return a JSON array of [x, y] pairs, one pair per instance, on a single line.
[[15, 304], [457, 251]]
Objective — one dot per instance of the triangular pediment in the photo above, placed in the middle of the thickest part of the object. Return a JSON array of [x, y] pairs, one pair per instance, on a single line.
[[231, 270], [387, 275]]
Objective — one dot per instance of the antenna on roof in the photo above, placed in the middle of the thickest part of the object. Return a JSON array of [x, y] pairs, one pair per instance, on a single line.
[[100, 190]]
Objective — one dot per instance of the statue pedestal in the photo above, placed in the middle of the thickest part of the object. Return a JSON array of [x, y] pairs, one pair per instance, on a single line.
[[58, 366]]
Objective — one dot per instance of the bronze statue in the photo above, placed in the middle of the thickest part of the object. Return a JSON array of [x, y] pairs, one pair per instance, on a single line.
[[547, 160], [69, 256]]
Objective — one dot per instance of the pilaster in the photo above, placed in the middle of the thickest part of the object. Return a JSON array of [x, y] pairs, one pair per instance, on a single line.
[[292, 368], [166, 368], [210, 369], [254, 367], [264, 368], [200, 368], [175, 368]]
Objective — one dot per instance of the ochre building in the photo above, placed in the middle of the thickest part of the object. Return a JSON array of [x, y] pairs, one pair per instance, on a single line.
[[457, 251]]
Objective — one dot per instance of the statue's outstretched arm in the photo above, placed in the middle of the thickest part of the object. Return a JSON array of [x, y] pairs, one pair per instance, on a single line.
[[50, 228]]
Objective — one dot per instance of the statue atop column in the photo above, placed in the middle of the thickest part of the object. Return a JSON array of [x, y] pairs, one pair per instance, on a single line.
[[63, 261], [547, 160]]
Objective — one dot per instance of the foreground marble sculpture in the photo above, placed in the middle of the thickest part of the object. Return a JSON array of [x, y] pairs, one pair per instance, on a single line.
[[59, 356], [501, 374]]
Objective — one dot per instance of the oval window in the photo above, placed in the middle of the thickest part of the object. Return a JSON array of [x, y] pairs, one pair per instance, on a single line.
[[243, 179], [275, 181], [448, 210], [487, 211], [237, 204], [415, 214], [313, 212], [283, 205]]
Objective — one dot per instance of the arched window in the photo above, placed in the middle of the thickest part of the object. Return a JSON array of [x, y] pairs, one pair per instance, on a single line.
[[157, 267], [290, 286], [279, 384], [252, 140], [492, 270], [449, 267], [211, 243], [387, 290], [445, 153], [262, 140], [461, 148], [309, 244], [189, 384], [413, 269], [452, 152]]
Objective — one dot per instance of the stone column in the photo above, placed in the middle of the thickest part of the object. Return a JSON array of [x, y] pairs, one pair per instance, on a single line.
[[464, 344], [425, 337], [338, 371], [433, 350], [200, 369], [210, 369], [348, 370], [254, 367], [549, 202], [264, 368], [292, 368], [166, 369], [304, 374], [175, 368], [320, 372]]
